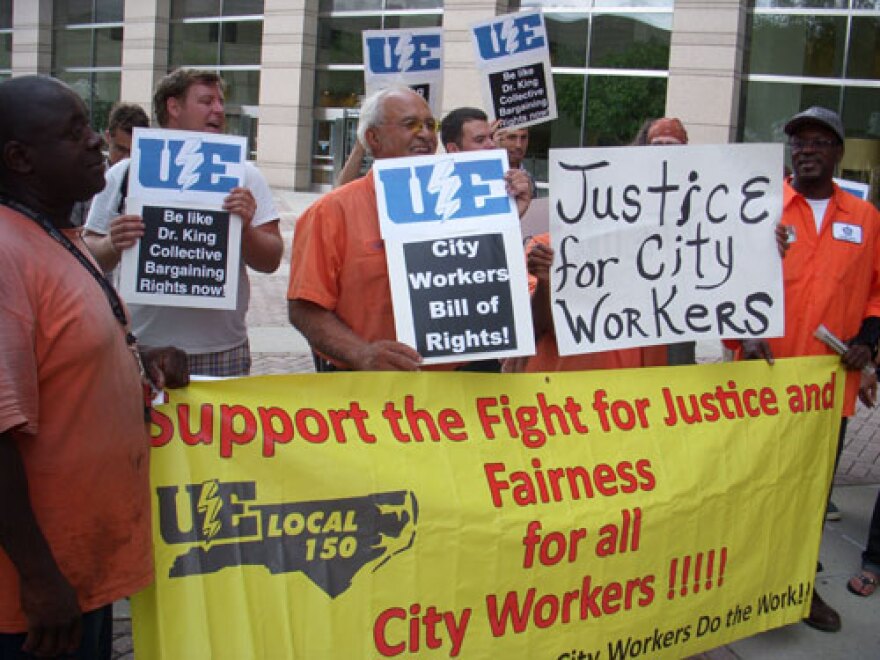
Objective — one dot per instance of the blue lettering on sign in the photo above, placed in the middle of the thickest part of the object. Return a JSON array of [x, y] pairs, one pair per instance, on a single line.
[[187, 165], [443, 191], [421, 52], [515, 34]]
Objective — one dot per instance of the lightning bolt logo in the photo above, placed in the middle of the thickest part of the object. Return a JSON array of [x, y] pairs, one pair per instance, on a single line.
[[510, 34], [405, 51], [445, 185], [209, 504], [189, 160]]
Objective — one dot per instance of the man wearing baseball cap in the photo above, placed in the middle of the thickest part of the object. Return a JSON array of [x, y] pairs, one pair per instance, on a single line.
[[831, 269]]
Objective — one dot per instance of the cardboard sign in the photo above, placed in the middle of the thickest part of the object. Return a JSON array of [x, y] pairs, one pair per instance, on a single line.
[[455, 261], [657, 245], [551, 516], [190, 253], [513, 54], [412, 57]]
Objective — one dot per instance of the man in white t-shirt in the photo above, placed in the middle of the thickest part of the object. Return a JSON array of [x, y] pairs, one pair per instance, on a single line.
[[215, 340]]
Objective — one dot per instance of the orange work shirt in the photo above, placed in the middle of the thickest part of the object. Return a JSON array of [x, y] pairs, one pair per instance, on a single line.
[[831, 277], [71, 398], [338, 262]]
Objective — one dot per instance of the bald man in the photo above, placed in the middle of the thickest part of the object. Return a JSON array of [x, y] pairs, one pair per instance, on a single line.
[[74, 468]]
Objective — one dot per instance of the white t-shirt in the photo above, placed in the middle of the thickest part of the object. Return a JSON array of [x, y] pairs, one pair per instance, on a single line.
[[819, 207], [192, 330]]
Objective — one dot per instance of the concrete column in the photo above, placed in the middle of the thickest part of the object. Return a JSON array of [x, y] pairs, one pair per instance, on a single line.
[[706, 67], [31, 37], [462, 83], [144, 49], [287, 81]]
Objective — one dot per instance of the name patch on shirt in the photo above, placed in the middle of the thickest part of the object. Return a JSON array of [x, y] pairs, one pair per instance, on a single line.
[[843, 231]]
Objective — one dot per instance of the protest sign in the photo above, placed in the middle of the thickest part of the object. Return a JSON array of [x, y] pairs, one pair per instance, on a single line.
[[512, 53], [455, 259], [546, 516], [190, 253], [857, 188], [412, 57], [656, 245]]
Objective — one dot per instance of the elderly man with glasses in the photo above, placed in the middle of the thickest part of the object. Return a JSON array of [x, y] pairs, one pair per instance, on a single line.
[[832, 270], [339, 296]]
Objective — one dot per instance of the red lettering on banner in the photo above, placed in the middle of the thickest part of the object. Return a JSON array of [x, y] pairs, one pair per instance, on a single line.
[[228, 435], [516, 611], [206, 429], [418, 424], [434, 627], [566, 483], [271, 435], [161, 430]]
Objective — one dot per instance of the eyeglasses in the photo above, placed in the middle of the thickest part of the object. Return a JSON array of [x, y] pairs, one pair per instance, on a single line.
[[821, 143], [415, 125]]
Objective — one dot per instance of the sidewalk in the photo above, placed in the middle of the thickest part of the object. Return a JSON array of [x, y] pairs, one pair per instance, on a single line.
[[278, 348]]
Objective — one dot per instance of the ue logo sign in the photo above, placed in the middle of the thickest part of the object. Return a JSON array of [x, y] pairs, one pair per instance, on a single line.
[[515, 34], [406, 53], [187, 164], [444, 190]]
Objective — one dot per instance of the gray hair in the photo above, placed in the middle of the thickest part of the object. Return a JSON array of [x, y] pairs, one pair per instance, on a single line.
[[373, 110]]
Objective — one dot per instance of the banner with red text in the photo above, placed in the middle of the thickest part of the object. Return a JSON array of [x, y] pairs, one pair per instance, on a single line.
[[612, 514]]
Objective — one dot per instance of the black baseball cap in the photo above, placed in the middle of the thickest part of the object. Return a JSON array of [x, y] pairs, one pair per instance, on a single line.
[[816, 115]]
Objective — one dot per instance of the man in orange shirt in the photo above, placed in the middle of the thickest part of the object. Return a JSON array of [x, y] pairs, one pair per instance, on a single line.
[[74, 468], [339, 296], [831, 270]]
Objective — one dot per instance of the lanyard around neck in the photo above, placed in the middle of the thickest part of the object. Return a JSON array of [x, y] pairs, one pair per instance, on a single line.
[[53, 231]]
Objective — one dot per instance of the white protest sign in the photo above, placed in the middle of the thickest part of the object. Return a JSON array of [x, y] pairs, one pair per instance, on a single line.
[[455, 259], [412, 57], [189, 255], [513, 54], [656, 245]]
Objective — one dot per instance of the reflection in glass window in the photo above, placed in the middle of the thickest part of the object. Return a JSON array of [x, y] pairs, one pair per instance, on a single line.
[[242, 7], [84, 38], [194, 8], [804, 4], [340, 40], [99, 91], [73, 12], [797, 45], [338, 89], [769, 105], [5, 14], [637, 41], [241, 43], [5, 51], [567, 35], [585, 4], [864, 55], [181, 9], [72, 48], [412, 21], [108, 46], [194, 44], [618, 105], [327, 6], [861, 112]]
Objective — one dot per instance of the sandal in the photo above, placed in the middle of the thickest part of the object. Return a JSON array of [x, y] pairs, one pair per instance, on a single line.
[[862, 584]]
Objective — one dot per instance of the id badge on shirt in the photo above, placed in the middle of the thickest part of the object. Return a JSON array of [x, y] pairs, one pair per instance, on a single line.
[[843, 231]]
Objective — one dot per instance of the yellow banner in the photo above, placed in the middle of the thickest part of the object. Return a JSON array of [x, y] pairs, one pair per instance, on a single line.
[[571, 516]]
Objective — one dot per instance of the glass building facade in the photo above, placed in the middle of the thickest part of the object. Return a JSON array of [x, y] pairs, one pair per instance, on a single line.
[[819, 52], [610, 65], [87, 52], [224, 36]]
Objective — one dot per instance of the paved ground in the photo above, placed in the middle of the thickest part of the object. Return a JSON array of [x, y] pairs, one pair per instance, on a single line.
[[277, 348]]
